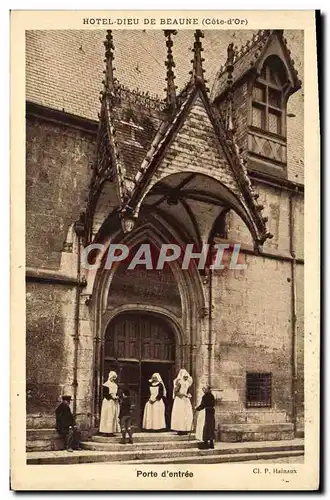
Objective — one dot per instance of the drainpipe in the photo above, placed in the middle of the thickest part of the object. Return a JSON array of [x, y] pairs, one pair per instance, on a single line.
[[293, 311], [191, 354], [209, 345], [79, 228]]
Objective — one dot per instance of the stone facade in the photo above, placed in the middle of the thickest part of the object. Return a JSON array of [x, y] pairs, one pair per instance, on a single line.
[[226, 323]]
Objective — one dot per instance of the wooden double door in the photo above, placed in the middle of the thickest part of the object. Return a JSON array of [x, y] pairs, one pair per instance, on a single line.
[[135, 347]]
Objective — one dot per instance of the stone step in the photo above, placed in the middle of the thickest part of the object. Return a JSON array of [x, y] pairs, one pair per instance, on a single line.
[[144, 454], [218, 459], [256, 432], [147, 445], [97, 443], [201, 456], [40, 434], [184, 448], [256, 427], [145, 437], [39, 445], [45, 439], [40, 439]]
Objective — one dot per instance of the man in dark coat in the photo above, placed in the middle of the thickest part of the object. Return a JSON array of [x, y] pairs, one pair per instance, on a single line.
[[65, 424], [205, 429]]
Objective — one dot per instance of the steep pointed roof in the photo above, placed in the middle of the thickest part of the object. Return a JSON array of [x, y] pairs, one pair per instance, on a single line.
[[251, 56], [235, 179], [172, 122], [116, 138], [128, 121]]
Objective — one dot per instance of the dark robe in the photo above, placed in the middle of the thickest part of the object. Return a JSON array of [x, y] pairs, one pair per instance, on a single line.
[[65, 426], [125, 407], [64, 419], [208, 403]]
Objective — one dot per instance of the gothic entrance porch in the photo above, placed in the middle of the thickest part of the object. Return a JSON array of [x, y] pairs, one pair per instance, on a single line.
[[136, 345]]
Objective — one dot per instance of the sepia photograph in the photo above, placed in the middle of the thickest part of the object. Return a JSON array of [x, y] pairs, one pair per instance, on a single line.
[[164, 245]]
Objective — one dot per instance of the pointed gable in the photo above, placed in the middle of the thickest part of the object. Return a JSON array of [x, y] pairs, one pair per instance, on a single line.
[[196, 148], [194, 141], [277, 46], [250, 58], [190, 138]]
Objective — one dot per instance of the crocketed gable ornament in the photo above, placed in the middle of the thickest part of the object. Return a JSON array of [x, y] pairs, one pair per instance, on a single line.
[[196, 94], [249, 59], [192, 105]]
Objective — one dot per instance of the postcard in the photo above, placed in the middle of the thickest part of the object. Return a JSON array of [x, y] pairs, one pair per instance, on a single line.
[[165, 219]]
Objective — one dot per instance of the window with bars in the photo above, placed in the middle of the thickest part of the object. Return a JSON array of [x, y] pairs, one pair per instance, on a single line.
[[258, 390], [268, 100]]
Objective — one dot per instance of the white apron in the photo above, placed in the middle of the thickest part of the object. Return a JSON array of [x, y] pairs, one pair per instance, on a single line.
[[182, 413], [109, 421], [154, 414], [200, 424]]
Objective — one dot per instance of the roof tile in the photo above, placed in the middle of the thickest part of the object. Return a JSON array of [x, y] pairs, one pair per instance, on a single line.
[[64, 70]]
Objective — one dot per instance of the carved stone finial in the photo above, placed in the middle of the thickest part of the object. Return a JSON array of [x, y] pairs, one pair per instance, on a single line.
[[230, 69], [198, 71], [230, 53], [171, 100], [109, 57]]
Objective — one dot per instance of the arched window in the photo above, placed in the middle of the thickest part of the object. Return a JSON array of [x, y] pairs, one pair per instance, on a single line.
[[269, 99]]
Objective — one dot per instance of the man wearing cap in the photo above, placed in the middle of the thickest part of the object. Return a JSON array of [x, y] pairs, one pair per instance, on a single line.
[[65, 424]]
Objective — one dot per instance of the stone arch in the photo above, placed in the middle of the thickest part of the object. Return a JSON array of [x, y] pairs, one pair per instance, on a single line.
[[193, 300], [167, 315], [139, 336], [230, 195]]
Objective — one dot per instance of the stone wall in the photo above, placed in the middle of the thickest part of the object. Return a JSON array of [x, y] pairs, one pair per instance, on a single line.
[[85, 364], [251, 319], [50, 310], [58, 160], [252, 331], [300, 348], [253, 313]]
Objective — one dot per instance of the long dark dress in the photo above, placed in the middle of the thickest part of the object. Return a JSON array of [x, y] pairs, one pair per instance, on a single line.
[[64, 419], [65, 423], [205, 429]]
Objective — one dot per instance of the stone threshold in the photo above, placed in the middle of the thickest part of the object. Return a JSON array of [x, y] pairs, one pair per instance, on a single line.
[[295, 446]]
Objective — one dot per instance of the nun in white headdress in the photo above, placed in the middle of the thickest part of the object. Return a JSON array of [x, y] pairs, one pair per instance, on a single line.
[[182, 412], [154, 410], [109, 422]]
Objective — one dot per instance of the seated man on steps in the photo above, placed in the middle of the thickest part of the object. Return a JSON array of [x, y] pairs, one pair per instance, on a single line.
[[66, 426], [125, 417]]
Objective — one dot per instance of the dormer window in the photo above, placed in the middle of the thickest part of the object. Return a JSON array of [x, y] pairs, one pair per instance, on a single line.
[[268, 98], [262, 79]]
